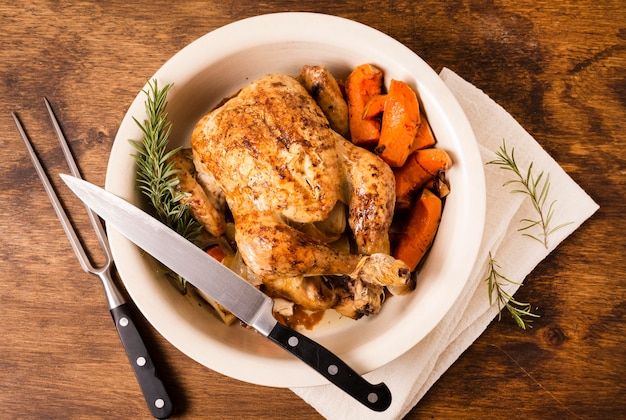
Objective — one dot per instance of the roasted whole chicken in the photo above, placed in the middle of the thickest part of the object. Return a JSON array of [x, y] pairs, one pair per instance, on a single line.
[[291, 183]]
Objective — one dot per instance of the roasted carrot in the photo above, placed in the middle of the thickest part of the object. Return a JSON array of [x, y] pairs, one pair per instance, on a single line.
[[374, 107], [420, 167], [401, 119], [363, 83], [424, 137], [420, 230], [216, 252]]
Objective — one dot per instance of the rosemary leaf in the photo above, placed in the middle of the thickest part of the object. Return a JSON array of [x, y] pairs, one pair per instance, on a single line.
[[156, 176], [537, 188], [520, 312]]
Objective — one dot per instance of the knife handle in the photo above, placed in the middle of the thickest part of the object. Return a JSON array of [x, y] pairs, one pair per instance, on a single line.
[[376, 397], [154, 392]]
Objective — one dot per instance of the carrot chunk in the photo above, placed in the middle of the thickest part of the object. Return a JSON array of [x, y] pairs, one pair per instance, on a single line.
[[374, 107], [362, 84], [420, 230], [401, 119], [216, 252], [420, 167], [424, 137]]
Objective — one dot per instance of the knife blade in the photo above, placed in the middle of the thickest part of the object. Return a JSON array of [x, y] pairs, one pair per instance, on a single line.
[[233, 292]]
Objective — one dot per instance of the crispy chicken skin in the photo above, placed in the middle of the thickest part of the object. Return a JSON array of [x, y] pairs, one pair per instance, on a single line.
[[206, 202], [272, 153], [371, 197], [323, 87]]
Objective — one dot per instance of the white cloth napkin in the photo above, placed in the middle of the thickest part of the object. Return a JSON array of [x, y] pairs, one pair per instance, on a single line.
[[410, 376]]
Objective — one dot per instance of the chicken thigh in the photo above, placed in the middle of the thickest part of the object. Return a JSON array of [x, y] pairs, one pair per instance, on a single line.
[[271, 152]]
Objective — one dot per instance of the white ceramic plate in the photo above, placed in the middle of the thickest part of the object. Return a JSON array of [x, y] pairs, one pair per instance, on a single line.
[[216, 66]]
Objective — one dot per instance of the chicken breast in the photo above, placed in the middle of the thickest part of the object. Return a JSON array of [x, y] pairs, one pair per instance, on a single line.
[[272, 153]]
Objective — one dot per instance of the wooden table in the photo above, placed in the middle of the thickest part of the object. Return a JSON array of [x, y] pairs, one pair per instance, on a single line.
[[558, 67]]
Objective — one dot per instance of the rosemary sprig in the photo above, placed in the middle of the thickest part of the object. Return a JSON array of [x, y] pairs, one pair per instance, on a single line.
[[518, 310], [537, 188], [156, 177]]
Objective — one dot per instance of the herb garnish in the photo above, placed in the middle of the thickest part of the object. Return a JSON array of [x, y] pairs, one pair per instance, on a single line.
[[519, 311], [156, 176], [535, 189]]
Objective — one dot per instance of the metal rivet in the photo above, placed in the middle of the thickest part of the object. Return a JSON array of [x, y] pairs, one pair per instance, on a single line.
[[159, 403], [372, 397], [333, 369], [293, 341], [123, 321], [141, 361]]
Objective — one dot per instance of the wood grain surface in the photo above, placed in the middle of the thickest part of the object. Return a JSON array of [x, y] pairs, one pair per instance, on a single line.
[[559, 67]]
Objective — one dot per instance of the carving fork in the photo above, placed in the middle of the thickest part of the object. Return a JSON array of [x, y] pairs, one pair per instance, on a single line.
[[154, 391]]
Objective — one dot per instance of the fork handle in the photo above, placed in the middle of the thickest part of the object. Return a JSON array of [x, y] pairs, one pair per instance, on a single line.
[[154, 392]]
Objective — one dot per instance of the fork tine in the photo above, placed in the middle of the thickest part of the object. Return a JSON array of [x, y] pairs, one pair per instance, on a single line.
[[56, 204], [95, 220], [66, 151]]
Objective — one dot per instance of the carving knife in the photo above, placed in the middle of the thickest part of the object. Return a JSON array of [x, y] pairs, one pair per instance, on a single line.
[[233, 292]]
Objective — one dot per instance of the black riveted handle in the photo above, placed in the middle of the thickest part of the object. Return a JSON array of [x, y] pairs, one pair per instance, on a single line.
[[376, 397], [157, 398]]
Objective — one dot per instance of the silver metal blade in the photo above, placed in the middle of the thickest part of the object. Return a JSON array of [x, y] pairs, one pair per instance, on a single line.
[[178, 254]]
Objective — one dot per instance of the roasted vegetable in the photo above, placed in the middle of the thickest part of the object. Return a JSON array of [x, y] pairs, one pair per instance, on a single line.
[[216, 252], [364, 83], [374, 107], [421, 167], [424, 137], [420, 229], [401, 119]]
